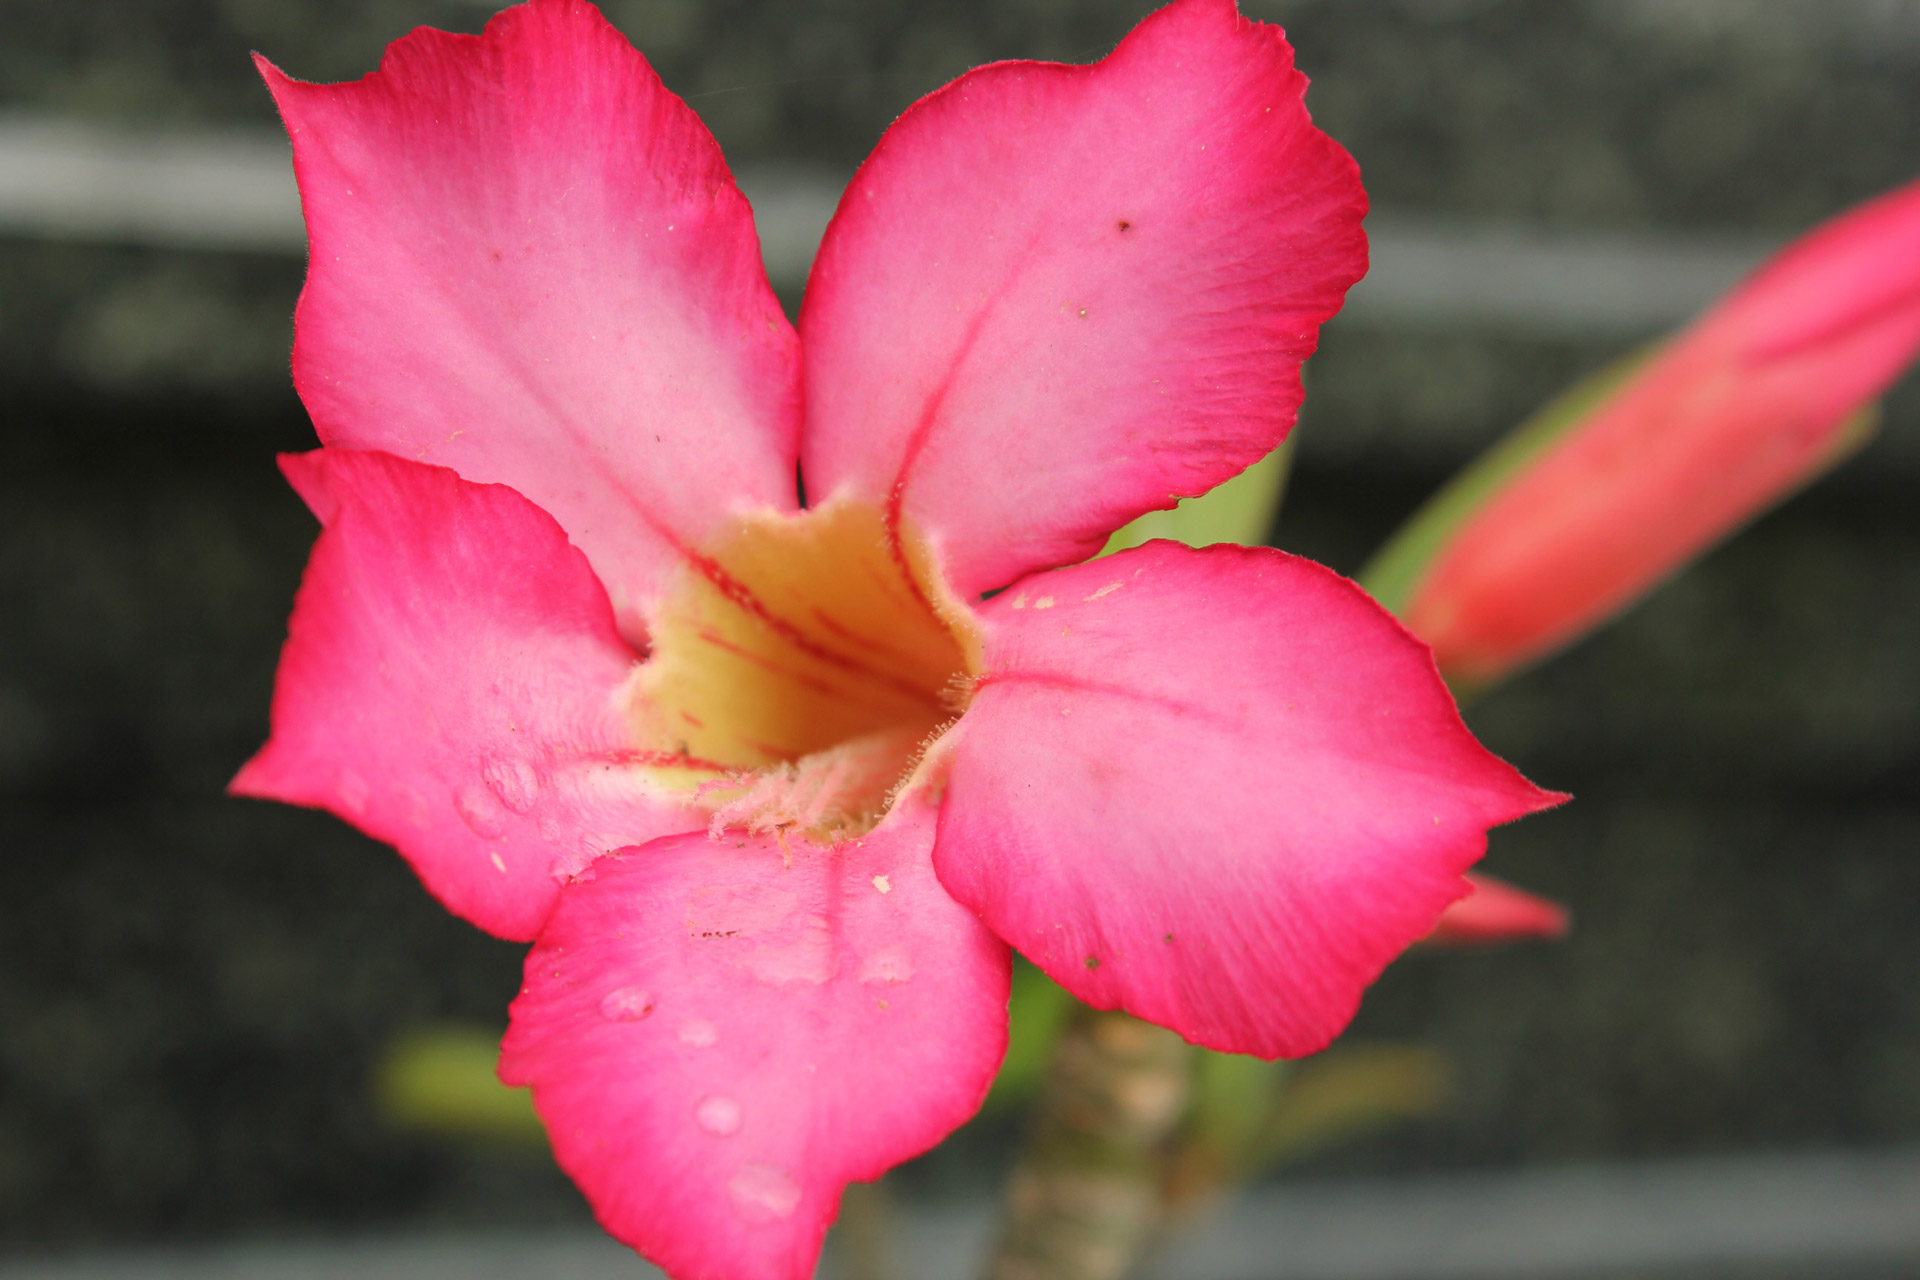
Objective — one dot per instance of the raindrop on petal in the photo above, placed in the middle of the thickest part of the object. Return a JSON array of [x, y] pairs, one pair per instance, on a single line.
[[888, 965], [513, 781], [719, 1114], [697, 1033], [625, 1004], [760, 1189], [479, 810]]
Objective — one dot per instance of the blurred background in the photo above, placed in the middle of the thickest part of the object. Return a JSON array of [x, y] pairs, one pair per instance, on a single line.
[[197, 994]]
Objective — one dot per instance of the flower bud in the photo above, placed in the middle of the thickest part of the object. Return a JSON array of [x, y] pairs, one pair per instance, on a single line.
[[1627, 477]]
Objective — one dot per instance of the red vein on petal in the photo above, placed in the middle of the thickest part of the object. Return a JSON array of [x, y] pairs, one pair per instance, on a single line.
[[768, 664], [665, 760], [742, 596], [852, 637], [1077, 685], [929, 417]]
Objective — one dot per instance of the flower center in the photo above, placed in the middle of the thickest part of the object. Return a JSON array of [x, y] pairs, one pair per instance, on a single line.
[[800, 669]]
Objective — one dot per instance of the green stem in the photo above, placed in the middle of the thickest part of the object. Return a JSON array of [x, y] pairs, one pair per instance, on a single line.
[[1085, 1196]]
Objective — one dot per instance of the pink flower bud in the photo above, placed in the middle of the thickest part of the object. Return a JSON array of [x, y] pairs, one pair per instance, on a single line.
[[1759, 395], [1496, 911]]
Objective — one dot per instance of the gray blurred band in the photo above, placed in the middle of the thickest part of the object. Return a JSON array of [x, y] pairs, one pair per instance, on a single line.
[[233, 191], [1824, 1216]]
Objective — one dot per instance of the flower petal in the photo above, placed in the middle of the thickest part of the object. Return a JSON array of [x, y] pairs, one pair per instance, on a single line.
[[452, 684], [719, 1039], [529, 263], [1219, 789], [1495, 911], [1059, 296]]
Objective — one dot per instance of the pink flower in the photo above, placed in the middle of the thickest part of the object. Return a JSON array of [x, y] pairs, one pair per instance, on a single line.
[[1755, 398], [772, 789]]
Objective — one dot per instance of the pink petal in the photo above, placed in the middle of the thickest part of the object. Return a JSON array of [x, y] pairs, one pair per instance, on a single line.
[[1750, 402], [452, 684], [529, 263], [1057, 297], [1219, 789], [1495, 911], [719, 1041]]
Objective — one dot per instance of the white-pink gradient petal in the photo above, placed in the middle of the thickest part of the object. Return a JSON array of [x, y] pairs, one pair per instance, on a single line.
[[452, 683], [1056, 297], [720, 1034], [529, 262], [1219, 789]]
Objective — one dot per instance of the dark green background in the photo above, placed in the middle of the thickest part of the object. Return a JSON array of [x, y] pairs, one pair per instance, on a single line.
[[192, 989]]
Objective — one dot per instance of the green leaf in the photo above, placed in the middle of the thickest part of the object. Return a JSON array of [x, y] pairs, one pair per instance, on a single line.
[[1036, 1012], [1231, 1092], [1347, 1093], [1248, 1115], [1239, 510], [440, 1079]]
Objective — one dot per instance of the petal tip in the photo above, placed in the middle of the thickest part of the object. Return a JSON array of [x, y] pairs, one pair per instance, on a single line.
[[250, 782], [1493, 911]]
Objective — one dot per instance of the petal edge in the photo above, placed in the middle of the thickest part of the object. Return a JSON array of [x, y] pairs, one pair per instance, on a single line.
[[721, 1034], [450, 684], [1113, 318], [1219, 789], [529, 262]]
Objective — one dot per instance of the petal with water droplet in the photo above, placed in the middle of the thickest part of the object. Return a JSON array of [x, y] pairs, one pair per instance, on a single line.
[[1259, 792], [626, 1004], [761, 1191], [720, 1150], [449, 648], [718, 1114]]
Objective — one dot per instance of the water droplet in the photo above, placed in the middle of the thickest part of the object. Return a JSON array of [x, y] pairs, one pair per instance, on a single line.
[[889, 965], [719, 1114], [513, 780], [760, 1190], [499, 863], [697, 1033], [801, 951], [768, 932], [625, 1004], [479, 810]]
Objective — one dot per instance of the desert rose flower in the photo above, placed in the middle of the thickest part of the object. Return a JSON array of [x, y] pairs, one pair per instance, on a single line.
[[1632, 476], [773, 787]]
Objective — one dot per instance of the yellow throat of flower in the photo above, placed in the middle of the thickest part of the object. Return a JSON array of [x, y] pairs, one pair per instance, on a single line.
[[800, 669]]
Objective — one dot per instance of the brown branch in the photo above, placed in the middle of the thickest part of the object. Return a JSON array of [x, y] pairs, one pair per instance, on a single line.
[[1086, 1195]]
